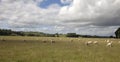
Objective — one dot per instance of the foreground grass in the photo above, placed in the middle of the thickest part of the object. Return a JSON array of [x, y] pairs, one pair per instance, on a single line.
[[14, 49]]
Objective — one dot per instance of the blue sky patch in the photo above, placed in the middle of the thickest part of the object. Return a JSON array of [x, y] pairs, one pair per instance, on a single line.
[[47, 3]]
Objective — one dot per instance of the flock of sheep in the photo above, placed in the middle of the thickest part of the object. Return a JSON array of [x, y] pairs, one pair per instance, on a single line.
[[44, 41], [108, 42], [51, 41]]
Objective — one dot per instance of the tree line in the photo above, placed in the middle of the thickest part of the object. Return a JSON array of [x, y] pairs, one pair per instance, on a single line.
[[9, 32]]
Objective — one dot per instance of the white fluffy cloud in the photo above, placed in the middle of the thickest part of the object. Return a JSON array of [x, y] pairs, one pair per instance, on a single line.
[[27, 13], [81, 16], [93, 11]]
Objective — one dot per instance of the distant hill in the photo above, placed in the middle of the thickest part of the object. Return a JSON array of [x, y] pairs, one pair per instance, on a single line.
[[8, 32]]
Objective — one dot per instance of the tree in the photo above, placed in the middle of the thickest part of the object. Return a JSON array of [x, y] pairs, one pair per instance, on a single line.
[[56, 35], [5, 32], [72, 35], [117, 33]]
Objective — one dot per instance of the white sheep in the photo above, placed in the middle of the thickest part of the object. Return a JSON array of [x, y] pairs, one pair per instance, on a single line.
[[71, 40], [89, 42], [109, 44], [52, 41], [37, 39], [95, 42], [108, 41], [2, 39], [60, 38], [118, 41]]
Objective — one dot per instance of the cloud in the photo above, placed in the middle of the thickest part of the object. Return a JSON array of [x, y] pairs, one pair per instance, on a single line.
[[94, 17], [94, 13], [98, 13], [27, 14]]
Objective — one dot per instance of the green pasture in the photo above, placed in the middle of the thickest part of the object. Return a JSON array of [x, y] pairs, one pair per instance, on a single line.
[[34, 49]]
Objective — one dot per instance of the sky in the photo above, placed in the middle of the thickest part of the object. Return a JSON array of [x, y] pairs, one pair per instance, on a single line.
[[86, 17]]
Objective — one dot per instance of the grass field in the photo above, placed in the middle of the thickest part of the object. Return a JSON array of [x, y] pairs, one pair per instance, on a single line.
[[33, 49]]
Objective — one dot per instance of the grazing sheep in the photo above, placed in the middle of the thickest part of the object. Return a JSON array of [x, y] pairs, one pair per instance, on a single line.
[[118, 41], [79, 40], [2, 39], [71, 40], [37, 39], [109, 44], [60, 39], [108, 41], [89, 42], [52, 41], [95, 42]]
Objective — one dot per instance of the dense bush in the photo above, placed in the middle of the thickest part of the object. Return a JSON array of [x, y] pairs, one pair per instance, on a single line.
[[71, 35], [117, 33]]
